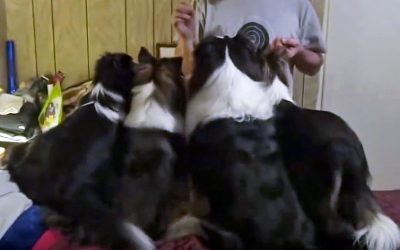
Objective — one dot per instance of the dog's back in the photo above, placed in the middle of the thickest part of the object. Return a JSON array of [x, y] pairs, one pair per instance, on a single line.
[[74, 168], [72, 151], [150, 182], [329, 170], [239, 168], [152, 185]]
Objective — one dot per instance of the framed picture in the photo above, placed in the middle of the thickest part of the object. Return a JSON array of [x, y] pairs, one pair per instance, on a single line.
[[165, 50]]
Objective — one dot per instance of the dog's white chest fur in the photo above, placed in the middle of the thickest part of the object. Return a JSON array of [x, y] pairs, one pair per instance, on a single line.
[[229, 93], [146, 111]]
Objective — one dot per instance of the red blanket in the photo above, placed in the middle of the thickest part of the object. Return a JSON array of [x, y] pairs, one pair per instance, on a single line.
[[53, 240], [390, 203], [186, 243]]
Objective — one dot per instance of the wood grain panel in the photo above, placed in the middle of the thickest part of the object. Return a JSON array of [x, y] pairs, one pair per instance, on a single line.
[[69, 35], [20, 28], [106, 28], [70, 39], [140, 25], [298, 87], [3, 37], [43, 22], [162, 21]]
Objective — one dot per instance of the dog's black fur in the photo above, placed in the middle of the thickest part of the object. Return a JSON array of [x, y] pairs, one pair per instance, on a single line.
[[318, 147], [73, 169], [238, 165], [154, 184]]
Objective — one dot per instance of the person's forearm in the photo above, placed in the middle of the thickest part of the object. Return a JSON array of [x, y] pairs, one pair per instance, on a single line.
[[185, 50], [308, 61]]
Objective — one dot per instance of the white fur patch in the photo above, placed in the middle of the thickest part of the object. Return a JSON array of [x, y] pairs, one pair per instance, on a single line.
[[100, 90], [111, 114], [140, 239], [188, 225], [229, 93], [337, 185], [146, 111], [382, 233]]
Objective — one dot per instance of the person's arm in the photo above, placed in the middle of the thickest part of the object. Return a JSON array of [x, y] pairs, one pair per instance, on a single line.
[[185, 27], [306, 51], [306, 60], [309, 58], [185, 49]]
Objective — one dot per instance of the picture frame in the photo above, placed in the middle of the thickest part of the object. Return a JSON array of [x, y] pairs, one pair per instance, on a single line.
[[165, 50]]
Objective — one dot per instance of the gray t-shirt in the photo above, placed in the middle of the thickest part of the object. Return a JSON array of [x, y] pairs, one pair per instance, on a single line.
[[261, 20]]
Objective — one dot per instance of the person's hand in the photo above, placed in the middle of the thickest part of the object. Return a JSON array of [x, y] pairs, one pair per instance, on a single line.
[[184, 21], [291, 46]]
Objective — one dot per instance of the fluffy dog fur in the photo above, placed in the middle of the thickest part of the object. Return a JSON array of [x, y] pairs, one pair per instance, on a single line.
[[328, 167], [233, 151], [153, 184], [73, 169]]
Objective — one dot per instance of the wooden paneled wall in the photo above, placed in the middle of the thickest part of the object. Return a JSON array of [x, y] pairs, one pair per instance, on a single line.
[[2, 48], [69, 35]]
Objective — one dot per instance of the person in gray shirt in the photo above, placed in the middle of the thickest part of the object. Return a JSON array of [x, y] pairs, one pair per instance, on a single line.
[[289, 24]]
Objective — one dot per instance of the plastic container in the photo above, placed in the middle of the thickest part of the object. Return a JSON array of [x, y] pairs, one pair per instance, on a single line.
[[11, 67]]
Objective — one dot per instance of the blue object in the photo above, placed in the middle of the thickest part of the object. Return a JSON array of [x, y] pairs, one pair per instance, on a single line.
[[11, 67], [25, 231]]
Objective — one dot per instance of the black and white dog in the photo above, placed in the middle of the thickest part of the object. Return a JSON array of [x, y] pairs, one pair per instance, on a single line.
[[233, 91], [74, 169], [154, 183], [233, 151], [328, 168]]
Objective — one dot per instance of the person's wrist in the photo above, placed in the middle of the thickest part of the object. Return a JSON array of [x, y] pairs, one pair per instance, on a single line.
[[300, 52], [189, 42]]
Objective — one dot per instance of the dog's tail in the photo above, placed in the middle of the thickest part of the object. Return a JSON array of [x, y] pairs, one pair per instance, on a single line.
[[139, 238], [379, 233], [373, 229], [357, 204]]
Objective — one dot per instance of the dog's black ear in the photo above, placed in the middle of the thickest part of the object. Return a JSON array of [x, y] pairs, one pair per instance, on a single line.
[[143, 73], [145, 56], [279, 65], [264, 51], [123, 61], [176, 63]]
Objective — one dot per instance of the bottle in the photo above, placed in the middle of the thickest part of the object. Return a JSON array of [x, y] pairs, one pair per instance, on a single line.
[[11, 67]]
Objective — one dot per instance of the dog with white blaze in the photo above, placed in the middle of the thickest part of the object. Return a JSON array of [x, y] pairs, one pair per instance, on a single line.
[[233, 152], [266, 165], [154, 184], [74, 169]]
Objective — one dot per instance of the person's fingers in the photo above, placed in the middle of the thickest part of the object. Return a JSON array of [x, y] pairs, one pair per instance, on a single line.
[[183, 30], [276, 44], [185, 9], [290, 42], [184, 17], [180, 24], [290, 52], [180, 27], [179, 19]]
